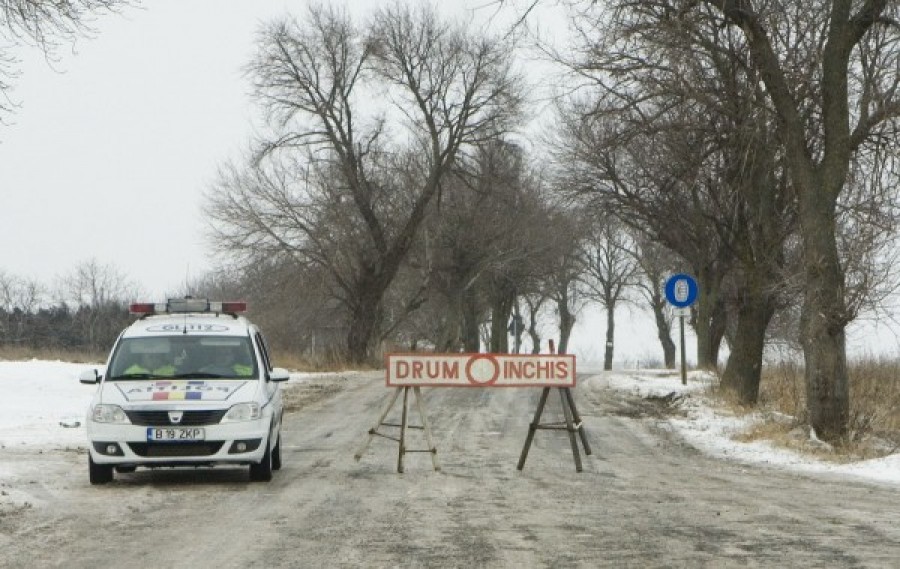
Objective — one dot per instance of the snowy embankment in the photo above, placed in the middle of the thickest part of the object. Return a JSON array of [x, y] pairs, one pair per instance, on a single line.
[[712, 430]]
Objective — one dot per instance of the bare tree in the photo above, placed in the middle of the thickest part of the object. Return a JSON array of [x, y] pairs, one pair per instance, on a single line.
[[662, 61], [534, 303], [94, 284], [853, 47], [653, 175], [610, 270], [565, 271], [827, 71], [44, 24], [100, 293], [447, 89], [482, 255], [19, 297], [654, 264]]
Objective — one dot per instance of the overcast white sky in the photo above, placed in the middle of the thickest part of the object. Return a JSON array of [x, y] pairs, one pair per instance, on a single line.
[[113, 145]]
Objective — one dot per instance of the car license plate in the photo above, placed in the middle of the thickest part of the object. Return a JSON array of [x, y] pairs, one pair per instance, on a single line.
[[175, 434]]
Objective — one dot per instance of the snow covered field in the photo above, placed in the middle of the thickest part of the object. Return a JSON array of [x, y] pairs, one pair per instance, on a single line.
[[42, 404]]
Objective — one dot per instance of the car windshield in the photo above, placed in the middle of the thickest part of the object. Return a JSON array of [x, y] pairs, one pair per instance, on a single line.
[[183, 357]]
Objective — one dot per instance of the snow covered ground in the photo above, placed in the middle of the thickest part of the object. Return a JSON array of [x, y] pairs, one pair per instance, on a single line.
[[42, 404], [712, 430]]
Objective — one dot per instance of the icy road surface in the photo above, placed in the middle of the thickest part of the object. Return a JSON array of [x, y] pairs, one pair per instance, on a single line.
[[644, 499]]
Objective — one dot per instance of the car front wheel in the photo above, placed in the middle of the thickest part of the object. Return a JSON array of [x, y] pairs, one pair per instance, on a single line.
[[99, 473], [262, 472], [276, 454]]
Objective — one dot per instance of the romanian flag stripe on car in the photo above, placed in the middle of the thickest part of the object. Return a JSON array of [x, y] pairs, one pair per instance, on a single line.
[[177, 395]]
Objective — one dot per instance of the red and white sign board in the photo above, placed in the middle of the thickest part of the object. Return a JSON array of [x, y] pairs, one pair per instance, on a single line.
[[480, 370]]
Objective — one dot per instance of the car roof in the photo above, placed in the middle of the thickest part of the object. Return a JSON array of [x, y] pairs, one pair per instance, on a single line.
[[192, 324]]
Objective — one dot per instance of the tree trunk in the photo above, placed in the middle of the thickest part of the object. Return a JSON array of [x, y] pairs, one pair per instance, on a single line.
[[709, 325], [501, 308], [664, 333], [471, 339], [743, 370], [365, 314], [566, 323], [535, 339], [363, 323], [452, 331], [533, 308], [610, 335], [718, 325], [823, 320]]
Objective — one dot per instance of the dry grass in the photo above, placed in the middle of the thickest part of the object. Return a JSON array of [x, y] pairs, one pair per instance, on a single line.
[[874, 411], [283, 359], [20, 353], [298, 362]]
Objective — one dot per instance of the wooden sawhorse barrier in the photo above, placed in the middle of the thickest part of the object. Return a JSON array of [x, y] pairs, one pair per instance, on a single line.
[[572, 424], [373, 432]]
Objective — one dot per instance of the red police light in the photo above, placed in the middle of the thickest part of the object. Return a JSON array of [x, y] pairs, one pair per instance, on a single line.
[[234, 306], [142, 308]]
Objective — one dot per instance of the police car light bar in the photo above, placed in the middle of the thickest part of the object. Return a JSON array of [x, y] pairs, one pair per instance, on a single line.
[[185, 305], [230, 307], [146, 308]]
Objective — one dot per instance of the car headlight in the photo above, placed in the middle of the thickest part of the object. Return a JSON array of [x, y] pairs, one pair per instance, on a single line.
[[103, 413], [243, 412]]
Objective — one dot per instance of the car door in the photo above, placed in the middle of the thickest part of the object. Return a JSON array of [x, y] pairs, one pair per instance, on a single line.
[[273, 391]]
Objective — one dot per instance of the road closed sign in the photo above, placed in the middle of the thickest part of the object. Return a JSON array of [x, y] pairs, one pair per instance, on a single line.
[[480, 370]]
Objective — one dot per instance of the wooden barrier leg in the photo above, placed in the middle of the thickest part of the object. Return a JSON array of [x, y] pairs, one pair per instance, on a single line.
[[403, 431], [374, 430], [570, 427], [404, 425], [579, 424], [533, 427], [431, 448]]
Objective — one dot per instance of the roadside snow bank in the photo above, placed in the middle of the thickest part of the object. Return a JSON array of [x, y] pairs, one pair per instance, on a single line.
[[36, 396], [712, 429]]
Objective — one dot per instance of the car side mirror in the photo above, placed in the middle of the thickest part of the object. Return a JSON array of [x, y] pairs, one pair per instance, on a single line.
[[89, 376], [279, 374]]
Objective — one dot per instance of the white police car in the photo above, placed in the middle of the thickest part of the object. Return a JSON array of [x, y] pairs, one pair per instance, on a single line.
[[190, 383]]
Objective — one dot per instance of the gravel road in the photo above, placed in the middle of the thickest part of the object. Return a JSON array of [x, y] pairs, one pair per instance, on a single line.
[[644, 498]]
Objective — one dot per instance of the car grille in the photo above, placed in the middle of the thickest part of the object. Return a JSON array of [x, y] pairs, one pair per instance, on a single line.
[[175, 449], [190, 418]]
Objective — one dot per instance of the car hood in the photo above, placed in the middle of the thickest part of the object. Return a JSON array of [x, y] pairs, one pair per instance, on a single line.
[[175, 390]]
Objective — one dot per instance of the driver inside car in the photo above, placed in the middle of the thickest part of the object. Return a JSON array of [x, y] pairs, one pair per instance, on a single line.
[[224, 363], [152, 364]]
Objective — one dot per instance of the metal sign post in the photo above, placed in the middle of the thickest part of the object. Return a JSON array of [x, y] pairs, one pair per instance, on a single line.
[[683, 358], [681, 292]]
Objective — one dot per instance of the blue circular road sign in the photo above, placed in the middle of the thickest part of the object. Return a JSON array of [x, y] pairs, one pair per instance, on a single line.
[[681, 290]]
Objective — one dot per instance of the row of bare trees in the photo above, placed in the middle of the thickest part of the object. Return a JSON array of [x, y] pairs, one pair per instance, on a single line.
[[368, 123], [389, 187], [757, 140], [750, 143], [85, 310]]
